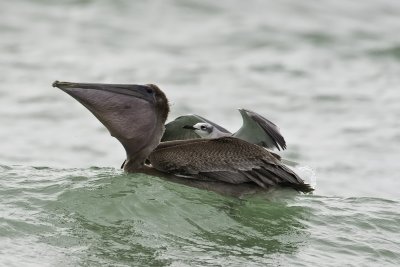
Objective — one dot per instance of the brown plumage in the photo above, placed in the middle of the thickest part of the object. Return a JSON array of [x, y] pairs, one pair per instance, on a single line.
[[225, 159]]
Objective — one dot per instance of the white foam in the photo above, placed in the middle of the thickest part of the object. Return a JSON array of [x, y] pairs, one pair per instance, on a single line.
[[308, 174]]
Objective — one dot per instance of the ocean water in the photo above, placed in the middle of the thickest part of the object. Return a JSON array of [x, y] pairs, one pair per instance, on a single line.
[[326, 72]]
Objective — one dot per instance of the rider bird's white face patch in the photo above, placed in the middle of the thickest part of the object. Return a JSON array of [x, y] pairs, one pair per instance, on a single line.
[[205, 130]]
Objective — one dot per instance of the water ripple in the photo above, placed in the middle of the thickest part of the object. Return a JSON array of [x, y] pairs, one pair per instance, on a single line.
[[105, 216]]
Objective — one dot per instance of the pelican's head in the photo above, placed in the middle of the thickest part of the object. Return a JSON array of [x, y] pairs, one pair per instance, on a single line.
[[203, 129], [134, 114]]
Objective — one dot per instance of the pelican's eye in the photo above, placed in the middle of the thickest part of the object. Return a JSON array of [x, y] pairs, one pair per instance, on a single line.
[[203, 127], [149, 90]]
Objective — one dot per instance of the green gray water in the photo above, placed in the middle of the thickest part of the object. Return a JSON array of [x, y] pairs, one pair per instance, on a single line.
[[327, 72]]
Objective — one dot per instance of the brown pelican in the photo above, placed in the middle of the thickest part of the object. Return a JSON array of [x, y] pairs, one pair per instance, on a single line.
[[256, 129], [135, 115]]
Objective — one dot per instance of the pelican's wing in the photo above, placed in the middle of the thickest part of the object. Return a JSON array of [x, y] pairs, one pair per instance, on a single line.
[[174, 129], [224, 159], [260, 131]]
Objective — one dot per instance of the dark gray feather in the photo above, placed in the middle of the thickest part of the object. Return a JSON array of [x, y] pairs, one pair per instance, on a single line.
[[260, 131]]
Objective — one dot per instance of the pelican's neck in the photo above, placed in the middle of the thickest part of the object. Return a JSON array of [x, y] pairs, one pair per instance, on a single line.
[[137, 150]]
